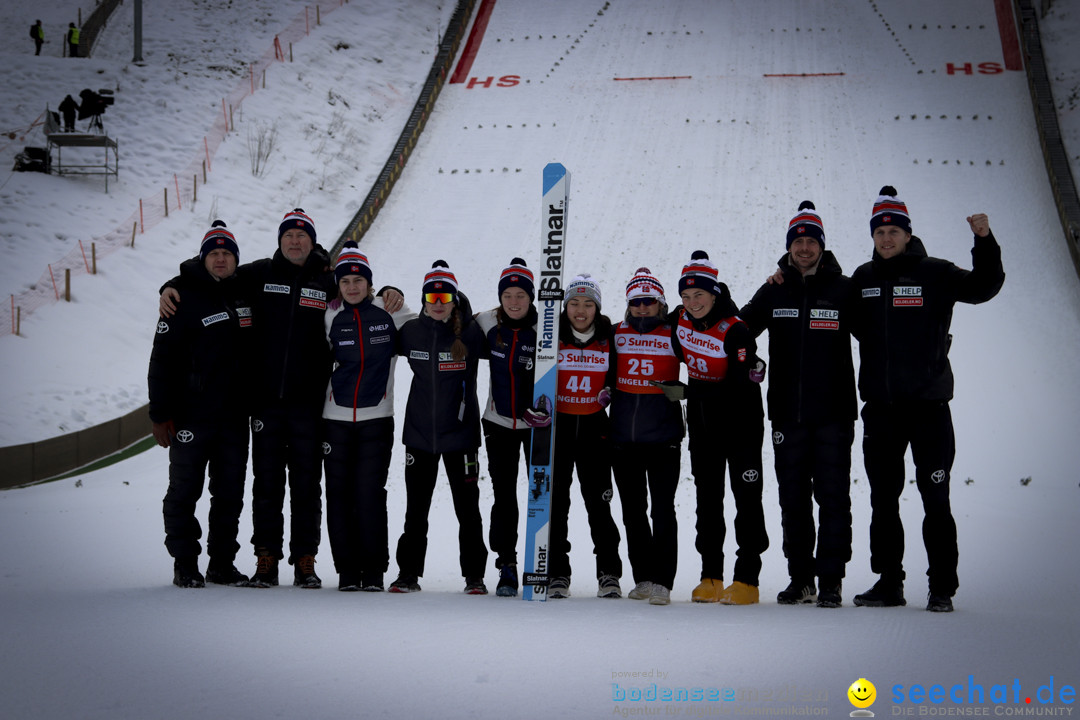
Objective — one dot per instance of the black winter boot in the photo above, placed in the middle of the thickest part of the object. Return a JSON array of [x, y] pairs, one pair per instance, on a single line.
[[186, 573], [885, 593], [304, 573], [266, 572], [225, 573]]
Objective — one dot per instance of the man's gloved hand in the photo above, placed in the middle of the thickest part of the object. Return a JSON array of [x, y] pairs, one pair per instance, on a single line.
[[674, 390], [757, 373], [604, 397], [536, 418]]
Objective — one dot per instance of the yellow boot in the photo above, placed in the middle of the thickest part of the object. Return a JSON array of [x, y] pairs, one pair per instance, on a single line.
[[739, 593], [708, 591]]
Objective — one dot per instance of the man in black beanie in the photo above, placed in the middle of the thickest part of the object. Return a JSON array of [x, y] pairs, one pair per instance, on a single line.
[[904, 309], [808, 312], [199, 408]]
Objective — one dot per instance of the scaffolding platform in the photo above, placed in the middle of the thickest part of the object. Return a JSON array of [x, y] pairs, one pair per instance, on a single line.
[[59, 139]]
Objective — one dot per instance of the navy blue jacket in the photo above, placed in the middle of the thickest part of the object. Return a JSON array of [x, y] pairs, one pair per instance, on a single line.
[[363, 340], [511, 349]]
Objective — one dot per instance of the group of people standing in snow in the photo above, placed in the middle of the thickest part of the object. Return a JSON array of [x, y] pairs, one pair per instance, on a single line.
[[304, 350]]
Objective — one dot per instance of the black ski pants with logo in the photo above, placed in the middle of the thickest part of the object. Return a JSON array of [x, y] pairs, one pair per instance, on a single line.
[[722, 438], [357, 463], [219, 446], [287, 437], [927, 427], [581, 442], [421, 472], [504, 448], [813, 464]]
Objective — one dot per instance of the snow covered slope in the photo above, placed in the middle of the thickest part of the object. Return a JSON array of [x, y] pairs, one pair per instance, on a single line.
[[719, 161]]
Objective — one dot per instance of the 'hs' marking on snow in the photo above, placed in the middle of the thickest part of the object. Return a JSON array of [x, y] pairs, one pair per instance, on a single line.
[[504, 82]]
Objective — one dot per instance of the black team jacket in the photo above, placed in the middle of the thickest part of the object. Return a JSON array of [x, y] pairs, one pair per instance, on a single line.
[[809, 319], [198, 364], [905, 306]]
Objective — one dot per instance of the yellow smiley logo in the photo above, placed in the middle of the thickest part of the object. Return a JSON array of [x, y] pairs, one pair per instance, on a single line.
[[862, 693]]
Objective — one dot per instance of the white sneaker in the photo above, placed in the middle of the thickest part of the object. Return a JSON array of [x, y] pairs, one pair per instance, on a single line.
[[641, 591], [660, 595], [608, 587], [558, 588]]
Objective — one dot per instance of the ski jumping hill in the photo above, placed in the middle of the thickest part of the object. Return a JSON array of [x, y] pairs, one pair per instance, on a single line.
[[686, 125]]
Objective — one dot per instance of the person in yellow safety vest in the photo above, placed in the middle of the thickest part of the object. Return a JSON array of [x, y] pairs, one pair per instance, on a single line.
[[37, 32], [73, 40]]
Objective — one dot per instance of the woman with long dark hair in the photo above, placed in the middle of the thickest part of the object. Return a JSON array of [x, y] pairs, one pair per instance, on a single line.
[[442, 422]]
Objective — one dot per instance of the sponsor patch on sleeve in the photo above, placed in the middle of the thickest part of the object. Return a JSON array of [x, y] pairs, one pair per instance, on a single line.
[[418, 355], [785, 312], [277, 288], [871, 292]]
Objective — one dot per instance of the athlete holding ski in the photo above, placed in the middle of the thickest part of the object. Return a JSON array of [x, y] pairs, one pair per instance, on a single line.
[[583, 438], [510, 335]]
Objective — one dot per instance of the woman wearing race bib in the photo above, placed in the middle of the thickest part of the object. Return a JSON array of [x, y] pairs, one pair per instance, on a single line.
[[647, 433], [725, 419], [582, 438]]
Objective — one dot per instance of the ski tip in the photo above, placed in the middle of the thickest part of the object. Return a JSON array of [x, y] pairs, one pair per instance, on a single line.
[[554, 173]]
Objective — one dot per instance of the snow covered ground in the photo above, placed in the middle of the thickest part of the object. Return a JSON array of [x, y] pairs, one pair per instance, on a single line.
[[719, 161]]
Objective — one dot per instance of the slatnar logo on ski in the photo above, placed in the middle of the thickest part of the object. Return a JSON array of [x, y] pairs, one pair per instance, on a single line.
[[553, 213], [551, 275]]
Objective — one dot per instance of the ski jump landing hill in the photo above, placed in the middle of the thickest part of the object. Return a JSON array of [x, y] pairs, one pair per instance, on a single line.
[[703, 124]]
